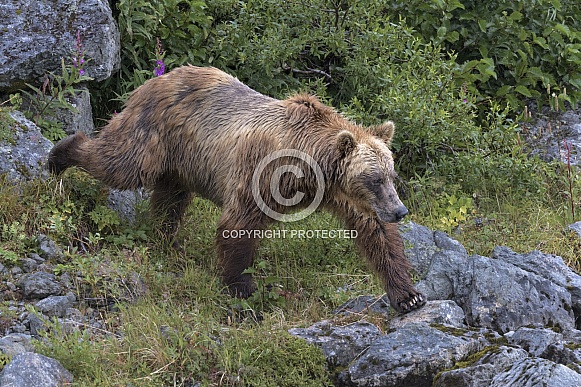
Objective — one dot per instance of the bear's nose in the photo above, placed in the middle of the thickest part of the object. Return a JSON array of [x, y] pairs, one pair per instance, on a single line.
[[400, 213]]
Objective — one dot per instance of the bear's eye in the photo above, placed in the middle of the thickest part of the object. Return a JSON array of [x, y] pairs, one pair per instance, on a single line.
[[377, 181]]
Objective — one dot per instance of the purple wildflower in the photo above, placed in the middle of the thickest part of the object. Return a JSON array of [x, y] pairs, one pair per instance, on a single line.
[[159, 64], [159, 68], [79, 54]]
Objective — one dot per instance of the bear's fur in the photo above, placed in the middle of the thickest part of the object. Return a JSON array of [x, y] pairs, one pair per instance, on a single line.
[[200, 130]]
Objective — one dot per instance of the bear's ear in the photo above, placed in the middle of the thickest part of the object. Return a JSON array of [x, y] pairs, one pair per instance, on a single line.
[[384, 131], [345, 143]]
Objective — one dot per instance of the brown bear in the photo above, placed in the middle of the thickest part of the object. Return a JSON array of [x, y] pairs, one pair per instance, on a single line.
[[200, 130]]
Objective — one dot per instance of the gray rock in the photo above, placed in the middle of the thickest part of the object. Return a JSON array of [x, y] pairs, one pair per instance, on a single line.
[[80, 121], [498, 295], [420, 246], [55, 306], [16, 271], [15, 344], [573, 336], [36, 324], [126, 203], [364, 305], [74, 314], [39, 285], [11, 287], [547, 266], [28, 265], [535, 341], [444, 242], [576, 227], [483, 370], [568, 354], [340, 344], [23, 157], [66, 280], [441, 279], [48, 248], [36, 35], [37, 258], [31, 369], [410, 356], [536, 372], [518, 293], [132, 288], [72, 121], [434, 312], [423, 244], [19, 328], [548, 144], [73, 321], [31, 263], [504, 293]]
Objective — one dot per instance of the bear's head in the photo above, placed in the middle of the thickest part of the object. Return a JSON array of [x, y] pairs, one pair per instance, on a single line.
[[368, 175]]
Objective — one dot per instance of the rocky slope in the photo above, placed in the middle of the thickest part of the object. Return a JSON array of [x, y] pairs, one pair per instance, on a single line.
[[506, 320]]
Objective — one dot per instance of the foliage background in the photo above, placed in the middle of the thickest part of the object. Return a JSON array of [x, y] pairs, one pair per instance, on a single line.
[[453, 75]]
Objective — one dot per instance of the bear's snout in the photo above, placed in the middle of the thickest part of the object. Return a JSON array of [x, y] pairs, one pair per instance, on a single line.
[[400, 213], [391, 216]]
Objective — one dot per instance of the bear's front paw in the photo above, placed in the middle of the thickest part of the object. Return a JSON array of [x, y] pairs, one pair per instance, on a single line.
[[406, 301]]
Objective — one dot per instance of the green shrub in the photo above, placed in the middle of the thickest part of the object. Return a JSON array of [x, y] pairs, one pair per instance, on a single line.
[[507, 49], [182, 27]]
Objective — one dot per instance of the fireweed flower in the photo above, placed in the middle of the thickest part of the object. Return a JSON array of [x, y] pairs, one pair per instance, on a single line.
[[79, 55], [159, 64], [159, 68]]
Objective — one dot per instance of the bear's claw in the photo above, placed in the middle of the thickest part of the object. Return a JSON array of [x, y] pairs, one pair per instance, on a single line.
[[415, 301]]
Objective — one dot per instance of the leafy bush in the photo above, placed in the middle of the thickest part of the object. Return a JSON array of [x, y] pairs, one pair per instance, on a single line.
[[182, 26], [508, 49]]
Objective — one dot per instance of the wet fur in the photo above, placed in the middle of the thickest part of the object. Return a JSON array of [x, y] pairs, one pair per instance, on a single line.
[[200, 130]]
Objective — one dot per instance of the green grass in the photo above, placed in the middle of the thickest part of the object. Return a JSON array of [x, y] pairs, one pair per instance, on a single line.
[[521, 223], [186, 329]]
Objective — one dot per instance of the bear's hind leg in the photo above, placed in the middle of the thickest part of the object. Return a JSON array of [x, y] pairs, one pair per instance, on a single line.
[[169, 201]]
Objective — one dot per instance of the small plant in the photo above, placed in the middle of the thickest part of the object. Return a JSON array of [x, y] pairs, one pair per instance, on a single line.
[[104, 217], [159, 69], [53, 93], [8, 257], [4, 360], [267, 294], [262, 359], [570, 177], [129, 237], [454, 210], [78, 58], [6, 123], [14, 240]]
